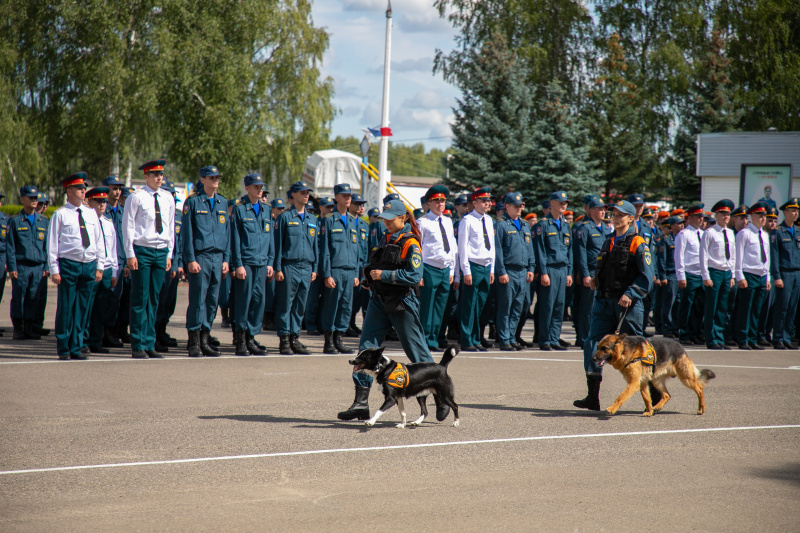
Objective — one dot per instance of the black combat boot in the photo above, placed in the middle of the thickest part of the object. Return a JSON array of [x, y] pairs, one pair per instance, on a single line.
[[110, 338], [205, 346], [337, 342], [297, 346], [360, 407], [194, 344], [592, 400], [162, 337], [248, 338], [329, 346], [19, 329], [285, 347], [252, 346], [124, 336], [30, 332], [239, 344], [226, 321]]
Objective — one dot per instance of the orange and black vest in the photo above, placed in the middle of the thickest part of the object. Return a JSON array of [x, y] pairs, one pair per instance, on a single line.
[[390, 255], [616, 266]]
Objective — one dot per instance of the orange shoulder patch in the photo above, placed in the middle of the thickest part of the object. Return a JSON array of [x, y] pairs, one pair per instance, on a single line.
[[635, 244]]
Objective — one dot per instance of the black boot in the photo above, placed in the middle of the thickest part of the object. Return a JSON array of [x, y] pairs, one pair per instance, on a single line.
[[337, 342], [19, 329], [194, 344], [27, 326], [285, 347], [239, 343], [492, 332], [226, 323], [205, 346], [297, 346], [592, 400], [329, 346], [110, 339], [269, 322], [162, 337], [41, 331], [252, 346], [124, 336], [360, 407]]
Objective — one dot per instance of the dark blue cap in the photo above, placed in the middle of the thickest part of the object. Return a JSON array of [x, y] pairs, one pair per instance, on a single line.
[[418, 213], [373, 212], [546, 204], [168, 186], [561, 196], [740, 211], [636, 198], [596, 202], [422, 200], [393, 209], [792, 202], [209, 172], [513, 198], [310, 207], [29, 190], [499, 206], [42, 197], [356, 198], [127, 191], [112, 180], [389, 197], [253, 179], [326, 201], [588, 198], [772, 212], [674, 220], [342, 188], [461, 200], [625, 207], [299, 186], [278, 203]]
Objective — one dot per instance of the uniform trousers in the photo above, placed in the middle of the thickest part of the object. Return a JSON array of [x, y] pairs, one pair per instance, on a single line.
[[337, 306], [146, 283], [786, 301], [248, 300], [472, 301], [433, 299], [74, 298], [41, 304], [585, 298], [670, 305], [407, 324], [102, 294], [25, 291], [686, 314], [765, 316], [716, 305], [116, 296], [291, 295], [750, 301], [167, 298], [606, 315], [204, 291], [314, 302], [551, 310], [511, 298]]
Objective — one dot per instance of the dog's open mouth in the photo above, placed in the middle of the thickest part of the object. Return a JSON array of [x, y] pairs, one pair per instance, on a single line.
[[358, 367], [601, 362]]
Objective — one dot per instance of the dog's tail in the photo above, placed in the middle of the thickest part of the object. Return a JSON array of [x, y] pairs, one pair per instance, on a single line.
[[705, 374], [450, 353]]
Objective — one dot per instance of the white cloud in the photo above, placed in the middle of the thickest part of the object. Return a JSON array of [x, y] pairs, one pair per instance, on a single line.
[[428, 100]]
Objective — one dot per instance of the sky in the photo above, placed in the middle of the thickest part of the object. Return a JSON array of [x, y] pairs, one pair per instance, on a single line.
[[420, 104]]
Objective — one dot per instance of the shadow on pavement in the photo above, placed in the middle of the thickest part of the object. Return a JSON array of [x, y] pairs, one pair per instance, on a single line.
[[303, 422], [789, 473]]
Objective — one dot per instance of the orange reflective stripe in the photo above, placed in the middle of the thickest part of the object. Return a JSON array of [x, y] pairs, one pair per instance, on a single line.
[[407, 245], [635, 244]]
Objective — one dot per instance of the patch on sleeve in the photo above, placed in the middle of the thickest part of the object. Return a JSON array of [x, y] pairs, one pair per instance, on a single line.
[[538, 230], [185, 209], [416, 259], [647, 258]]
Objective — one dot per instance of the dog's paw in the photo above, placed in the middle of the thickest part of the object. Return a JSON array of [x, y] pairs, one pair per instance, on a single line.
[[610, 411], [456, 423], [700, 411], [647, 413], [400, 426], [369, 423]]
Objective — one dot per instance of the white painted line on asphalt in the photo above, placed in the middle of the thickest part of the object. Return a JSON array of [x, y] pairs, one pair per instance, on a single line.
[[397, 447]]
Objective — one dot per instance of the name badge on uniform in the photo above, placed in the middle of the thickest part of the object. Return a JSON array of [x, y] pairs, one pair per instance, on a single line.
[[337, 230], [512, 232], [294, 223], [202, 212], [22, 228]]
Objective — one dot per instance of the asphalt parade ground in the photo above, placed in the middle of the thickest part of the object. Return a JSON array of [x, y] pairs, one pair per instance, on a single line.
[[253, 444]]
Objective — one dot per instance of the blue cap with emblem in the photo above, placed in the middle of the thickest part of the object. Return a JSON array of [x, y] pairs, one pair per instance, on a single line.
[[596, 202], [168, 186], [588, 198], [112, 180], [499, 206], [793, 202], [277, 203], [625, 207], [342, 188], [29, 190], [418, 213], [299, 186], [253, 179], [373, 212], [326, 201], [127, 191], [636, 198], [356, 198], [546, 204], [461, 200], [209, 172], [393, 209], [43, 198], [674, 220], [389, 197], [310, 207], [561, 196], [514, 198]]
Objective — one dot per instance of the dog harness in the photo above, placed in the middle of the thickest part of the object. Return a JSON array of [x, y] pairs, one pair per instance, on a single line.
[[399, 377], [649, 357]]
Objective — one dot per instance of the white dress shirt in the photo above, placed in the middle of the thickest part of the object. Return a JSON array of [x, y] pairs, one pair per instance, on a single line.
[[687, 252], [471, 242], [64, 237], [109, 246], [432, 242], [712, 250], [748, 252], [139, 221]]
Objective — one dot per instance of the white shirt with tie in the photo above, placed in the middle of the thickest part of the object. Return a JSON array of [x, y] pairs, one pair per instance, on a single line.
[[64, 237], [712, 250], [432, 241], [687, 252], [109, 246], [472, 242], [139, 221], [749, 251]]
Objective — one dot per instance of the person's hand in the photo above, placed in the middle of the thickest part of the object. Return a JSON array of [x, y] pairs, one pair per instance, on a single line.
[[491, 279], [172, 275], [113, 282], [313, 276], [569, 281], [708, 283], [193, 267], [330, 283], [451, 280], [743, 284], [682, 284], [594, 284], [279, 276], [778, 284], [625, 301], [456, 285], [270, 273], [503, 279], [126, 272], [133, 264], [769, 286], [468, 279], [56, 278], [587, 282], [422, 283], [98, 276], [241, 273], [13, 274], [46, 274], [225, 268], [169, 265], [355, 282], [733, 282], [529, 277], [544, 281], [375, 274]]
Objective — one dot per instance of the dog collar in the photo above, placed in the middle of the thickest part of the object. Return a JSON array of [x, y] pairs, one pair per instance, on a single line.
[[399, 377], [649, 357]]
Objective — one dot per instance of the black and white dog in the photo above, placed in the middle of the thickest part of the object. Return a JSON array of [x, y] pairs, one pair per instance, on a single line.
[[400, 381]]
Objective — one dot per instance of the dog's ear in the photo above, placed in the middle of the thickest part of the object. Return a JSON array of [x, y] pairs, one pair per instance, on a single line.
[[380, 350], [621, 337]]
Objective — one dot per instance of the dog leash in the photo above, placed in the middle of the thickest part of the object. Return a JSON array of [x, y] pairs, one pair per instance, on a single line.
[[619, 326]]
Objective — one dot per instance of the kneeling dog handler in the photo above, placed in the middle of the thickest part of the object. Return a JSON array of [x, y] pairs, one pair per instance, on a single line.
[[392, 276]]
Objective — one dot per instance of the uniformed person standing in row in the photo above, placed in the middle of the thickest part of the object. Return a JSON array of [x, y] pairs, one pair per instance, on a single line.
[[276, 208], [148, 227], [646, 233], [75, 249], [687, 270], [296, 263], [786, 275], [765, 314], [97, 199], [206, 255], [3, 266], [624, 278], [590, 237], [340, 257], [360, 296], [476, 257], [252, 256], [439, 247], [168, 297], [752, 276], [514, 268], [41, 298], [666, 272], [113, 212], [717, 259], [26, 252], [553, 251]]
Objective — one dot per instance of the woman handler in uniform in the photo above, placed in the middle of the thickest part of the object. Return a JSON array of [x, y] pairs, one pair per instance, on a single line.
[[392, 275]]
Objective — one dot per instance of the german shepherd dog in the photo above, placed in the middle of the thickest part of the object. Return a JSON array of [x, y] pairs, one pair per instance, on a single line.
[[626, 355], [421, 380]]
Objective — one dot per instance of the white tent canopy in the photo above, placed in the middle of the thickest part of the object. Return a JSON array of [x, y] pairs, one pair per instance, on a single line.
[[326, 168]]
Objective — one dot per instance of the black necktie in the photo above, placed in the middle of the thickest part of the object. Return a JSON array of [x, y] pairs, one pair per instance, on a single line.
[[159, 226], [761, 247], [84, 232], [444, 237], [485, 235], [727, 250]]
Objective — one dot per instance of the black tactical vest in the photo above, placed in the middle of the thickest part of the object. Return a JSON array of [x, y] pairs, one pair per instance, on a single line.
[[387, 256], [616, 268]]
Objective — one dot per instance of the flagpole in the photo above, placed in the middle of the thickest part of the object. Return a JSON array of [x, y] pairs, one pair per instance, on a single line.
[[385, 131]]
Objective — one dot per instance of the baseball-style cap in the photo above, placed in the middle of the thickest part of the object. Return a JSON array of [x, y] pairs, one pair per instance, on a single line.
[[278, 203], [253, 179], [461, 200], [514, 198], [625, 207], [209, 172], [636, 198], [561, 196], [393, 209], [373, 212], [326, 201], [356, 198], [389, 197], [112, 180], [342, 188], [596, 202], [29, 190]]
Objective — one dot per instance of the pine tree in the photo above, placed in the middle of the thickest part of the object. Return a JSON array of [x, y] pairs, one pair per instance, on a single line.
[[558, 155], [490, 131]]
